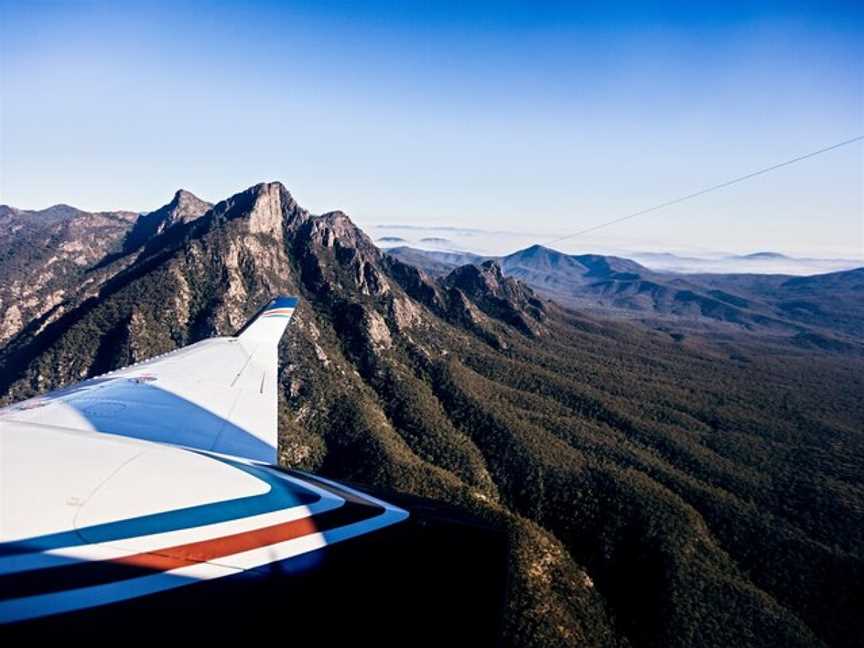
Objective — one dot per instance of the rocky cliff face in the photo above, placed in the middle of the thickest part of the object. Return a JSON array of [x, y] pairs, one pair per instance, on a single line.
[[621, 465], [45, 254], [53, 257], [497, 296]]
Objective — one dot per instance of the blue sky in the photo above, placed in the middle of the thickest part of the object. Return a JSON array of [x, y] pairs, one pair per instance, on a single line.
[[529, 117]]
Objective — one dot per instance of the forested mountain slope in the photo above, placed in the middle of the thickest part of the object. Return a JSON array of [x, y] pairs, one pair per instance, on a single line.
[[654, 493]]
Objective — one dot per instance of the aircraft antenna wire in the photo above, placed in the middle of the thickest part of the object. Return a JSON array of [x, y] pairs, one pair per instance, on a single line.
[[706, 190]]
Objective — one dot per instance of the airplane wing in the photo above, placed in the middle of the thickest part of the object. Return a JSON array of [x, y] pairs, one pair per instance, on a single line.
[[217, 395], [159, 477]]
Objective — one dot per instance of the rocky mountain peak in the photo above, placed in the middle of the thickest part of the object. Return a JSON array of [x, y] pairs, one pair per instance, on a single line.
[[267, 213], [185, 207], [536, 250], [501, 297], [60, 211], [483, 280], [268, 208], [336, 228], [49, 216], [491, 267]]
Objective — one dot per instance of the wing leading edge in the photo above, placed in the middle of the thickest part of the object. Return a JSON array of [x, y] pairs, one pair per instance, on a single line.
[[218, 395]]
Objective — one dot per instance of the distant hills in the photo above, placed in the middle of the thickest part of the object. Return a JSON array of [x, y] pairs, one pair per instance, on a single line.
[[826, 307], [762, 255], [656, 488]]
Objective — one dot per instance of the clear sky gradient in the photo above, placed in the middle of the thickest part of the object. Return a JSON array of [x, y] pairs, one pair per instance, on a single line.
[[542, 118]]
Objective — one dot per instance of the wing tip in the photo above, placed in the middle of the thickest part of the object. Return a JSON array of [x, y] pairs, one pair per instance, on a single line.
[[282, 301], [280, 307]]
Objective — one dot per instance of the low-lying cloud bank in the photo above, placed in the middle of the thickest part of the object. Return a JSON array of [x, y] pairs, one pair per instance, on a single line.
[[500, 243]]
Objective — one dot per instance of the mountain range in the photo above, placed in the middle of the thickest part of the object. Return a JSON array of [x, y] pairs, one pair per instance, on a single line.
[[47, 256], [822, 310], [653, 492], [498, 243]]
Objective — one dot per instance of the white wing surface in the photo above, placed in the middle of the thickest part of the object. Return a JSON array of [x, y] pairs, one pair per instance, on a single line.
[[217, 395], [154, 478]]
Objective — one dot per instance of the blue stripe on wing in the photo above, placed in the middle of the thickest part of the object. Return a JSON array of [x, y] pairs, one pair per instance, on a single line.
[[281, 495]]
